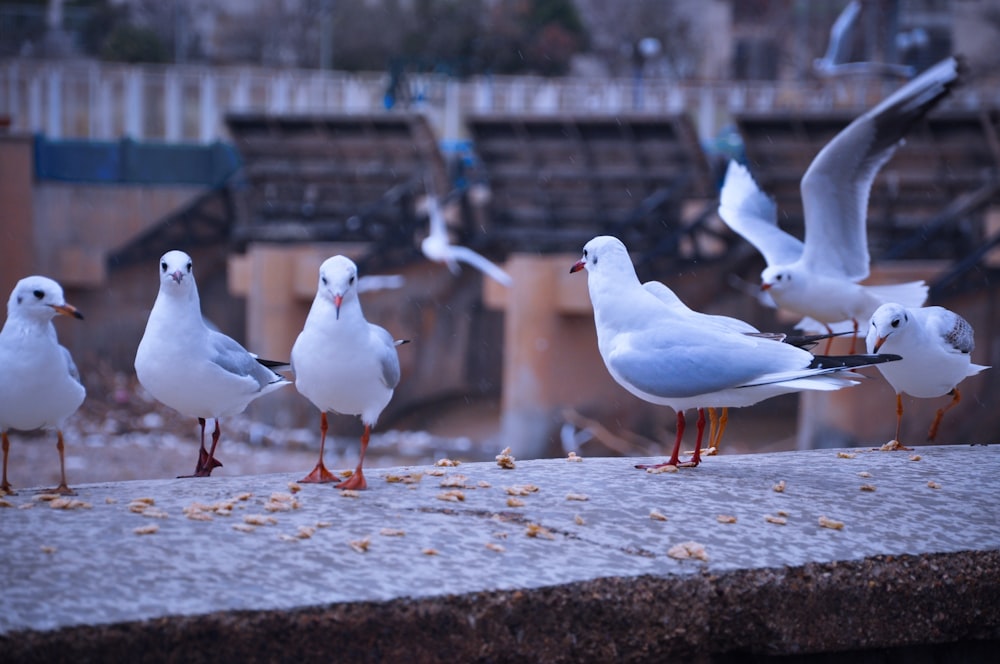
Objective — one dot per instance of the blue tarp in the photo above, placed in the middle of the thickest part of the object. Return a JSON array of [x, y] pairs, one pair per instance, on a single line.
[[131, 162]]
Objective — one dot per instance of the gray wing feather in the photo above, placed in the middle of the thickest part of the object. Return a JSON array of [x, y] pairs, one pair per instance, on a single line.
[[960, 336], [389, 358], [237, 360], [71, 365]]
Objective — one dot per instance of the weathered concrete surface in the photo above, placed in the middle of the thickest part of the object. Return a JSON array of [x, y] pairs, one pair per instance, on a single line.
[[916, 562]]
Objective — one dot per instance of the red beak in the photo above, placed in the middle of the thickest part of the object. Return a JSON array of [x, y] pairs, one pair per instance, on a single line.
[[577, 266], [764, 287], [878, 343], [337, 301]]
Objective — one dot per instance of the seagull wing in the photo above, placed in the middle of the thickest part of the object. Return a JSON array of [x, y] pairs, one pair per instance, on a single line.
[[753, 215], [836, 186], [481, 263]]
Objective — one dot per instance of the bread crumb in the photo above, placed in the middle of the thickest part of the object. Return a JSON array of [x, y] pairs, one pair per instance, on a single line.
[[657, 515], [294, 487], [846, 455], [505, 459], [454, 496], [447, 463], [48, 549], [392, 532], [244, 527], [429, 552], [933, 485], [579, 520], [493, 546], [483, 484], [538, 530], [831, 523], [456, 482], [779, 487], [778, 520], [669, 468], [915, 457], [69, 504], [361, 545], [407, 478], [867, 487], [864, 474], [349, 493], [574, 457], [688, 551], [725, 518], [260, 520], [577, 496], [521, 489], [146, 530], [515, 502]]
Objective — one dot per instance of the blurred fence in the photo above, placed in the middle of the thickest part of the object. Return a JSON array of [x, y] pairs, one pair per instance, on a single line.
[[179, 103]]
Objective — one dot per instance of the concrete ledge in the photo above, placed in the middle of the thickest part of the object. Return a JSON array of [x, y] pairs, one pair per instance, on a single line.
[[916, 563]]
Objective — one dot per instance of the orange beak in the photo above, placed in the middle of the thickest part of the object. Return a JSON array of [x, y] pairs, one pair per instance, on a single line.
[[337, 301], [67, 310], [764, 287], [878, 343]]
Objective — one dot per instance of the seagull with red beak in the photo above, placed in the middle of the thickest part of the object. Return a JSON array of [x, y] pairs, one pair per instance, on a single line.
[[41, 386], [343, 363], [192, 368]]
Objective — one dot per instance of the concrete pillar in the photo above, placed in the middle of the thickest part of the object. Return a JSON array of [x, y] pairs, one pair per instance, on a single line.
[[172, 106], [53, 120], [527, 421], [209, 113], [17, 171]]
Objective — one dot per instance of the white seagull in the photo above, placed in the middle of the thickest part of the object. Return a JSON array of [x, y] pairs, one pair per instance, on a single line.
[[41, 385], [680, 362], [343, 363], [936, 345], [186, 365], [438, 248], [819, 277]]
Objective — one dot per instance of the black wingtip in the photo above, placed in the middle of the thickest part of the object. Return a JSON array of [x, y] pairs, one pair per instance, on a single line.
[[851, 361]]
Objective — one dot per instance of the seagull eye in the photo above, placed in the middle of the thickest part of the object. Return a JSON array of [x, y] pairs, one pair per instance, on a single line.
[[351, 280], [322, 278], [163, 266], [39, 294], [189, 266], [895, 322]]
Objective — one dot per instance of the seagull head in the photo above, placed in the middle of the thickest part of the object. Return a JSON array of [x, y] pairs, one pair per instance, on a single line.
[[39, 298], [338, 277], [887, 320], [601, 248], [778, 278], [176, 268]]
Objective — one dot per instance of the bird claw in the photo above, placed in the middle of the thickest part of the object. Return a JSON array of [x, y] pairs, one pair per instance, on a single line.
[[655, 466], [319, 475], [355, 482]]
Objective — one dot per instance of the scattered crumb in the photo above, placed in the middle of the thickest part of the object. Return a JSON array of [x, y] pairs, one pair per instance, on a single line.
[[145, 500], [893, 446], [446, 462], [687, 551], [44, 497], [305, 532], [346, 473], [783, 513], [867, 487], [110, 501], [725, 518], [521, 489], [294, 487], [287, 538], [579, 520], [493, 546], [429, 552], [915, 457], [154, 513], [577, 496], [779, 520], [350, 493], [408, 478], [455, 481], [361, 545], [435, 472], [244, 527], [323, 524], [933, 485], [454, 496], [246, 495], [391, 532], [538, 530], [48, 549], [779, 487], [574, 457], [846, 455], [260, 520], [483, 484], [5, 503], [657, 515], [515, 502], [831, 523], [505, 459], [864, 474], [146, 530], [25, 506], [281, 502], [662, 469], [69, 504]]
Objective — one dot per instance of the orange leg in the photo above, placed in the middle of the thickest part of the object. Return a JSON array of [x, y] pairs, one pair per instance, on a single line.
[[713, 425], [899, 414], [674, 456], [716, 443], [357, 480], [5, 485], [854, 339], [319, 474], [63, 488], [956, 396], [829, 339]]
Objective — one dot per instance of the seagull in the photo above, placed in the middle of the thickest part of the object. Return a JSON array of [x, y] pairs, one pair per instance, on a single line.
[[192, 368], [819, 278], [666, 295], [438, 248], [41, 385], [343, 363], [680, 362], [936, 345], [835, 63]]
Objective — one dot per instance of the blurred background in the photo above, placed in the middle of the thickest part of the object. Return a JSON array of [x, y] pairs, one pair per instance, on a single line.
[[262, 136]]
